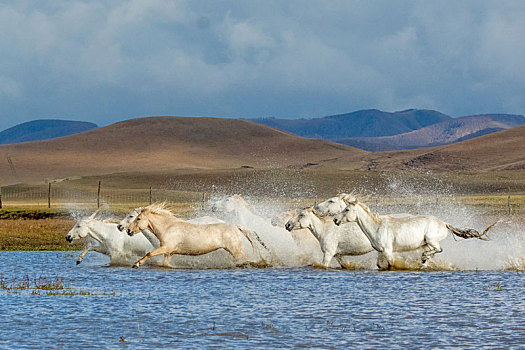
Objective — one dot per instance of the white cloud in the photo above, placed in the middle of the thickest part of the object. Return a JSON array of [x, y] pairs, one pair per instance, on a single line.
[[112, 60]]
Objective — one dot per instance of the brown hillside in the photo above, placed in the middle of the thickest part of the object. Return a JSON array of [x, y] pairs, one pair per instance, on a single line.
[[504, 150], [443, 133], [160, 144]]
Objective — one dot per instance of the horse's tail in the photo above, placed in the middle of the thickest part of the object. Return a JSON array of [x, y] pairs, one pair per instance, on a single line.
[[251, 236], [470, 233]]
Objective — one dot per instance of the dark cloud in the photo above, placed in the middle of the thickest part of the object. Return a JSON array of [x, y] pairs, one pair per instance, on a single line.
[[107, 61]]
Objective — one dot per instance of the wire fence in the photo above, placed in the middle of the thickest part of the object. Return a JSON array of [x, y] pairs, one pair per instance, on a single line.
[[58, 195]]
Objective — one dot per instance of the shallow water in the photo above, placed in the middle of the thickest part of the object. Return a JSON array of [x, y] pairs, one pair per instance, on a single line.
[[258, 308]]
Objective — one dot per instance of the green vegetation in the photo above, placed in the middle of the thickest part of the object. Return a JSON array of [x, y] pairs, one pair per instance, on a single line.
[[32, 214], [497, 287], [41, 286]]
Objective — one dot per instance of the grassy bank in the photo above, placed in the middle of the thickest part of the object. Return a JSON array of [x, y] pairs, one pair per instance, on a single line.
[[35, 234]]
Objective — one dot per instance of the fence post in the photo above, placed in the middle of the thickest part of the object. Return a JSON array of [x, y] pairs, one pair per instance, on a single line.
[[150, 195], [98, 195], [508, 203], [1, 198], [49, 195]]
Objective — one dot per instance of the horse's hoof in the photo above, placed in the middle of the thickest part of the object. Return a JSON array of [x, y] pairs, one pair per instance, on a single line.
[[78, 262], [319, 266], [135, 266]]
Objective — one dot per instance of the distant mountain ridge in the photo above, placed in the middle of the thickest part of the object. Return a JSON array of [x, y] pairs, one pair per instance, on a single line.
[[364, 123], [43, 129], [375, 130]]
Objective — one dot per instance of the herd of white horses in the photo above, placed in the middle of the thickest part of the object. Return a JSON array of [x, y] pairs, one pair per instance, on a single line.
[[340, 227]]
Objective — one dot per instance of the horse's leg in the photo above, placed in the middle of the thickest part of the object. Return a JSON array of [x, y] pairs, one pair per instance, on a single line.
[[344, 265], [155, 252], [389, 257], [88, 249], [328, 247], [382, 262], [327, 258], [433, 247], [238, 254], [167, 260]]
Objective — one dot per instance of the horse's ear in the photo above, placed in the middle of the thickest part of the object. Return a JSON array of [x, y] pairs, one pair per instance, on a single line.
[[349, 197]]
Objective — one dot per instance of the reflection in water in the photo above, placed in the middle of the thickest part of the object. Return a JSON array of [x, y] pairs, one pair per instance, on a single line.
[[268, 308]]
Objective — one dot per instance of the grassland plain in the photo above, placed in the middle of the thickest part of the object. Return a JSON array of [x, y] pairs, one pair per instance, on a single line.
[[27, 224]]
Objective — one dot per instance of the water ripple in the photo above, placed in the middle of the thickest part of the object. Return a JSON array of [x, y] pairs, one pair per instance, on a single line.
[[267, 308]]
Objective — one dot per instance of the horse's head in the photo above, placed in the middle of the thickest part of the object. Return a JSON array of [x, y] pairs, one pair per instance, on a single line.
[[302, 219], [128, 219], [349, 214], [81, 228], [79, 231], [332, 206], [139, 223]]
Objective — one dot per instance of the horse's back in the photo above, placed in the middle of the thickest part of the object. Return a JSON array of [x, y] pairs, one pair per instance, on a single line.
[[413, 231]]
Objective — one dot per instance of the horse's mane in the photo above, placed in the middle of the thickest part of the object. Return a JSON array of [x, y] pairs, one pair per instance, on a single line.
[[365, 207], [354, 194], [161, 208]]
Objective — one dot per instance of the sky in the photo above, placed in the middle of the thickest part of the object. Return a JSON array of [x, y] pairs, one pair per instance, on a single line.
[[107, 61]]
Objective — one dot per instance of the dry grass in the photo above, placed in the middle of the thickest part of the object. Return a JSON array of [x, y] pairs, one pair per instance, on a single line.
[[47, 234], [515, 264]]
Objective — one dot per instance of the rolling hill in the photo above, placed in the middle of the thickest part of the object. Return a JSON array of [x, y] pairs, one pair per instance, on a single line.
[[504, 150], [446, 132], [163, 144], [43, 129]]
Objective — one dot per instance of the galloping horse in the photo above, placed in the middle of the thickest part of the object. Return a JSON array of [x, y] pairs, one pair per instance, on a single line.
[[107, 240], [177, 236], [334, 241], [388, 234]]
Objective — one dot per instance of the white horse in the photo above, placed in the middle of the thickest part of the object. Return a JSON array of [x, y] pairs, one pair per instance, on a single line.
[[236, 210], [307, 244], [168, 259], [388, 234], [334, 241], [177, 236], [104, 238]]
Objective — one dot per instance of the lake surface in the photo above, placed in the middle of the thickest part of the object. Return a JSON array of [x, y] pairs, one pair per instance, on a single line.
[[257, 308]]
